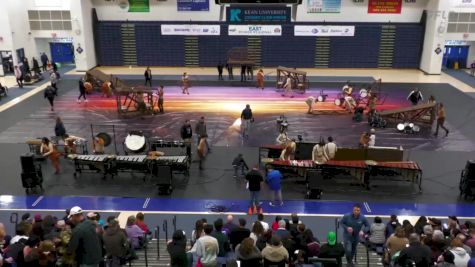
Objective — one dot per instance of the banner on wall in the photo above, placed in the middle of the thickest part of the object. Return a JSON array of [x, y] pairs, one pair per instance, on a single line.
[[192, 5], [255, 30], [385, 6], [463, 3], [190, 29], [323, 6], [258, 14], [327, 30], [139, 6]]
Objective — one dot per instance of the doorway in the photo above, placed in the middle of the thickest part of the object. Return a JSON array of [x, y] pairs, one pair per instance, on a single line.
[[455, 54], [62, 52]]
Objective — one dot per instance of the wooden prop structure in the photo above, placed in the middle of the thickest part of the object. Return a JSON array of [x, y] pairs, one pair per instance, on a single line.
[[299, 79], [423, 114], [128, 97]]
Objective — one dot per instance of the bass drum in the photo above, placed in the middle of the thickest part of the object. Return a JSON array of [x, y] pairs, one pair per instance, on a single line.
[[135, 143], [363, 93], [339, 101]]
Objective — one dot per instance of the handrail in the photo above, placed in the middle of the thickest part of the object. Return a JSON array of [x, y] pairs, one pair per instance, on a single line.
[[337, 225], [145, 249], [14, 218], [157, 236], [174, 224], [165, 229], [367, 253]]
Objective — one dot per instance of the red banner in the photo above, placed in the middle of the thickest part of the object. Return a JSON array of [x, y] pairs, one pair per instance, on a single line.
[[385, 6]]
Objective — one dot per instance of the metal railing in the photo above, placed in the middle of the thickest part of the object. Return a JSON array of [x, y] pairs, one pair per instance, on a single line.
[[157, 236], [165, 230], [174, 224]]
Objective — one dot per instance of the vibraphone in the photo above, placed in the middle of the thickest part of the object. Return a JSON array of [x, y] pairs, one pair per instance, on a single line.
[[92, 163], [112, 165], [363, 171]]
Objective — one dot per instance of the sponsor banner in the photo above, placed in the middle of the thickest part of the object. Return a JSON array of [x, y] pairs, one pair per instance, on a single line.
[[192, 5], [255, 30], [463, 3], [139, 6], [385, 6], [190, 29], [258, 14], [323, 6], [327, 30]]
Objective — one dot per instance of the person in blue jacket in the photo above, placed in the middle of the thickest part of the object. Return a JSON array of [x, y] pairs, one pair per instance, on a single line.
[[353, 230]]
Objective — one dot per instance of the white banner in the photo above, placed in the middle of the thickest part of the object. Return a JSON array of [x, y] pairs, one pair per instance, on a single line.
[[321, 30], [255, 30], [463, 3], [190, 29]]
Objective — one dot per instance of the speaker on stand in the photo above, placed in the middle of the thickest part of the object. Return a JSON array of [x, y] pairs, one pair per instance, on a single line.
[[164, 179], [314, 182], [31, 173]]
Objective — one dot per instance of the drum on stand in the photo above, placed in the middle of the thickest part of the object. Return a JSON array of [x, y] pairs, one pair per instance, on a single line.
[[339, 101], [135, 143], [363, 93]]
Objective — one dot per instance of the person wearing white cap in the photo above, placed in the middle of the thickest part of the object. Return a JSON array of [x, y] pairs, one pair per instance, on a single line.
[[85, 242]]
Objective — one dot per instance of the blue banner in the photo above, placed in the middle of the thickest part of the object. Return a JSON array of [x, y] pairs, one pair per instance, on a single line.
[[323, 6], [258, 14], [192, 5]]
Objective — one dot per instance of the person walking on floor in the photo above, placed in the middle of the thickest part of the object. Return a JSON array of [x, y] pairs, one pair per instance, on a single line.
[[288, 87], [160, 99], [26, 66], [220, 71], [82, 91], [260, 79], [254, 182], [243, 73], [441, 120], [148, 76], [50, 93], [59, 129], [201, 151], [200, 130], [185, 80], [54, 79], [230, 71], [186, 134], [19, 76], [250, 72], [44, 61], [353, 224], [274, 178], [246, 120], [36, 67]]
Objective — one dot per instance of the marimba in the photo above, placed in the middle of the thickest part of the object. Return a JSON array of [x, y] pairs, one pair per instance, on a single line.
[[91, 163], [362, 171]]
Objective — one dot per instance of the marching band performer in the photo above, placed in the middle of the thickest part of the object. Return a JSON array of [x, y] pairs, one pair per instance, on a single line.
[[415, 96], [310, 101], [48, 150], [185, 83], [260, 79], [288, 86]]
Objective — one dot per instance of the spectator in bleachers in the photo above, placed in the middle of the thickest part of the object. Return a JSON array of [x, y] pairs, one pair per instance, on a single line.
[[260, 218], [313, 246], [222, 238], [140, 222], [421, 222], [238, 234], [197, 232], [207, 248], [392, 225], [408, 228], [461, 257], [471, 241], [453, 226], [282, 232], [275, 251], [417, 252], [84, 241], [230, 225], [177, 249], [471, 263], [275, 224], [50, 232], [22, 231], [134, 233], [436, 224], [427, 230], [115, 243], [30, 244], [377, 232], [257, 231], [43, 255], [332, 250], [446, 260], [396, 242], [463, 238], [264, 239], [65, 237], [248, 253], [353, 224]]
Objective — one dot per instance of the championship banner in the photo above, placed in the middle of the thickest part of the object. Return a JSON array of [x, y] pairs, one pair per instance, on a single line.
[[255, 30], [323, 6], [385, 6], [258, 14], [192, 5], [139, 6], [190, 29], [327, 30]]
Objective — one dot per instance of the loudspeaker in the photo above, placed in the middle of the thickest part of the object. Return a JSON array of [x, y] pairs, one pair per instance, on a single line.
[[470, 170], [314, 181], [28, 163], [164, 179]]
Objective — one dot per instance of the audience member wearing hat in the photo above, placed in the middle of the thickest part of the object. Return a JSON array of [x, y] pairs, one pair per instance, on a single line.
[[332, 250], [84, 240]]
